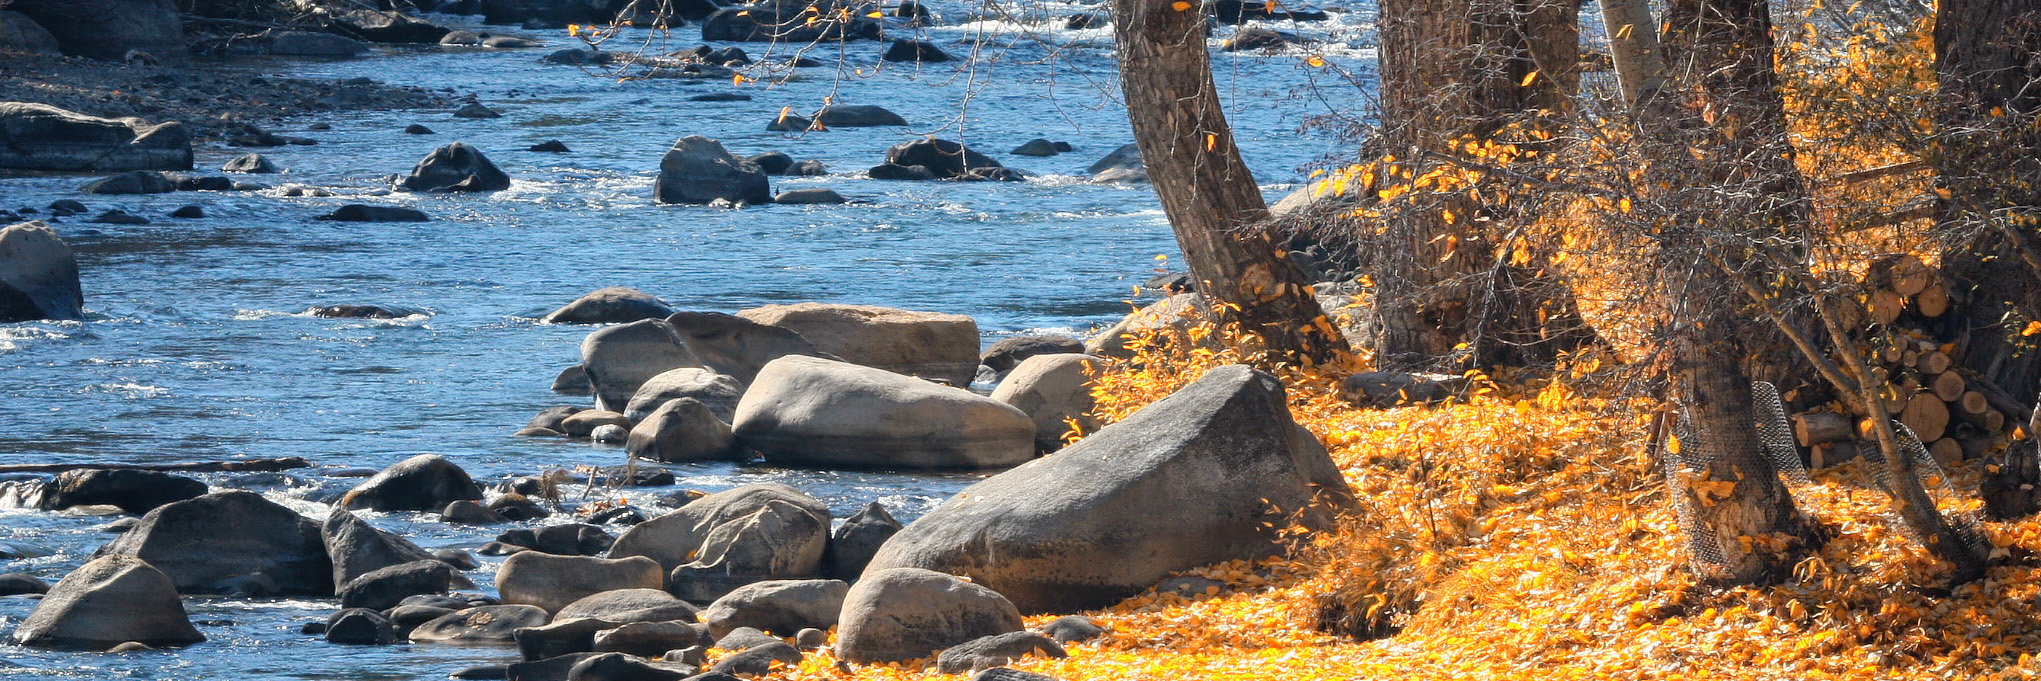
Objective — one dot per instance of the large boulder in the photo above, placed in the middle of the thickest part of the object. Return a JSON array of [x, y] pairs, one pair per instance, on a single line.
[[621, 358], [358, 548], [624, 606], [43, 137], [230, 542], [716, 391], [735, 346], [456, 167], [818, 412], [611, 305], [932, 345], [782, 607], [780, 540], [676, 538], [108, 29], [699, 170], [857, 116], [426, 482], [108, 601], [1054, 390], [18, 33], [682, 430], [1215, 472], [486, 625], [553, 582], [38, 274], [133, 491], [903, 614], [386, 27], [946, 159]]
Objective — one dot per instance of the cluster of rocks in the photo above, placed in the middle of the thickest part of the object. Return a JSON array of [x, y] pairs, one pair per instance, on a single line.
[[812, 384]]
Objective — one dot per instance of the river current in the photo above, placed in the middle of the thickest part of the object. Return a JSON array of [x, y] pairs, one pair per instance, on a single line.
[[197, 347]]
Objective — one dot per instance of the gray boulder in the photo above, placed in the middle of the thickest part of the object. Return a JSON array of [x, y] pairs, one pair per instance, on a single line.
[[43, 137], [18, 33], [571, 381], [611, 305], [250, 163], [857, 116], [387, 588], [456, 167], [622, 606], [564, 636], [38, 275], [915, 51], [682, 430], [554, 582], [1124, 165], [699, 170], [585, 423], [857, 540], [716, 391], [1053, 390], [108, 601], [735, 346], [906, 613], [426, 482], [780, 540], [944, 158], [622, 667], [645, 639], [358, 548], [932, 345], [816, 412], [230, 542], [811, 196], [1009, 352], [997, 651], [1212, 473], [782, 607], [361, 626], [108, 29], [677, 538], [621, 358], [486, 625], [313, 44], [132, 491], [1072, 629]]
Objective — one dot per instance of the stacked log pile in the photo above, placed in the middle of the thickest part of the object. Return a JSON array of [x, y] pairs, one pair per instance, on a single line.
[[1956, 413]]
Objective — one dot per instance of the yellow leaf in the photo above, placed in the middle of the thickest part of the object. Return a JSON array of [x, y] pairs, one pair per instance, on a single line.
[[574, 29], [1211, 141], [1162, 257], [2032, 328], [1315, 61], [1528, 77], [877, 15], [1624, 205], [737, 79], [1180, 6]]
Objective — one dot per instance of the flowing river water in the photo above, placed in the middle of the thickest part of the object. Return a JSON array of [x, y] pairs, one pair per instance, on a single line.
[[197, 348]]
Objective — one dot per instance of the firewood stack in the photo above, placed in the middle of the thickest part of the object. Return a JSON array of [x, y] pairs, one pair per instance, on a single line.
[[1958, 415]]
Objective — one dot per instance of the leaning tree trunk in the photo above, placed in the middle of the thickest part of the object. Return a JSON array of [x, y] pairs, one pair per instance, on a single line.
[[1452, 70], [1633, 46], [1212, 201], [1728, 180]]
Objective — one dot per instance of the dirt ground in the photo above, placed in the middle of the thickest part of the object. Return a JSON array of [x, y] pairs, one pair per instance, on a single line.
[[214, 100]]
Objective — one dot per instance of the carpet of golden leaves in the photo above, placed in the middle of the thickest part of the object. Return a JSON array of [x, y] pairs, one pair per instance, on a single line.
[[1523, 534]]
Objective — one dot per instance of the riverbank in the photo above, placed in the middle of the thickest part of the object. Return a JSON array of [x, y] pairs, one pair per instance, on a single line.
[[215, 99]]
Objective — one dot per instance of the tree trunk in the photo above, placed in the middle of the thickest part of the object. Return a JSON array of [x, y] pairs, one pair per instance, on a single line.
[[1212, 201], [1716, 139], [1633, 46], [1988, 69], [1454, 69]]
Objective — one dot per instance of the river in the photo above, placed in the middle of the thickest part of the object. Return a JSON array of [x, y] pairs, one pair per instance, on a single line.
[[197, 348]]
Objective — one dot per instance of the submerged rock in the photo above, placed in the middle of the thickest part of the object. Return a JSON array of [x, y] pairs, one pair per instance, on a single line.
[[699, 170], [857, 116], [944, 158], [355, 212], [915, 51], [456, 167], [610, 305]]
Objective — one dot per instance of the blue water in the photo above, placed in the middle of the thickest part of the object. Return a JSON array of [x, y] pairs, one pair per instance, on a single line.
[[197, 348]]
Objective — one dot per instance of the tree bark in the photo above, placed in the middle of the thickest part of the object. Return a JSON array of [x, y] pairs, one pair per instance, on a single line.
[[1451, 70], [1633, 46], [1213, 203]]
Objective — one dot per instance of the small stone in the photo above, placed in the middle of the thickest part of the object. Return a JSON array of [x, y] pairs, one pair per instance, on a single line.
[[476, 110], [188, 213], [416, 129], [811, 638], [555, 146], [119, 217]]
